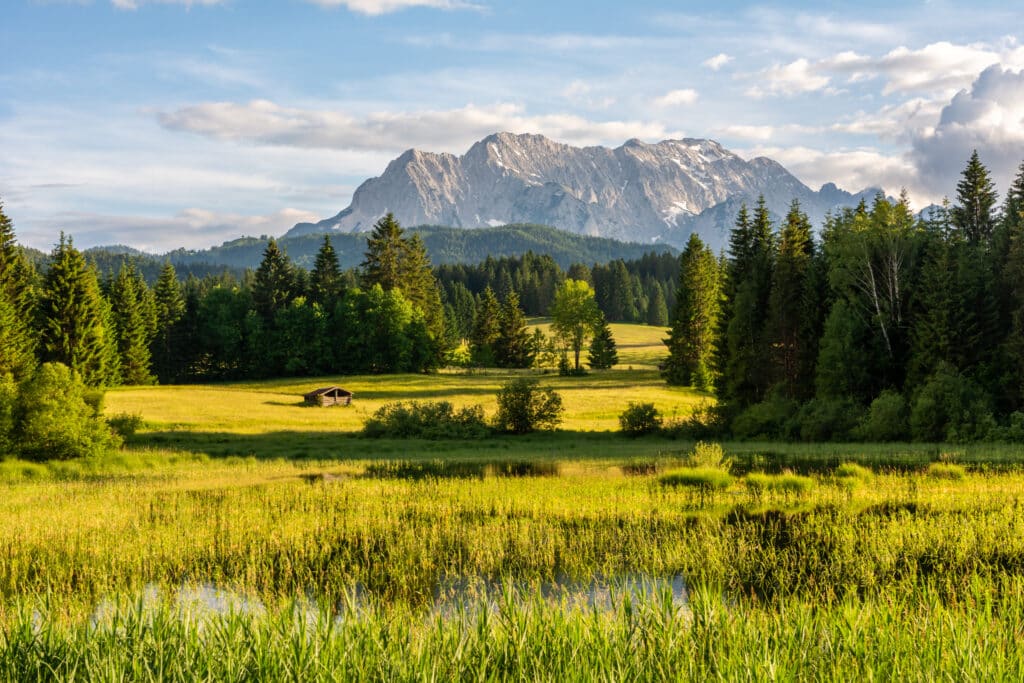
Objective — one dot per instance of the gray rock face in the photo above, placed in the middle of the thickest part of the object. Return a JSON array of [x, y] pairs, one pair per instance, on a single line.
[[637, 192]]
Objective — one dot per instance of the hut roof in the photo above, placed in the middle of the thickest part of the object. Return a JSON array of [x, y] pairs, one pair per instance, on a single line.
[[336, 391]]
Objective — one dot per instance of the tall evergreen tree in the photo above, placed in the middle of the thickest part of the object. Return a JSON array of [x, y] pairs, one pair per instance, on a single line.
[[17, 342], [657, 310], [325, 280], [385, 253], [167, 346], [691, 341], [513, 347], [976, 199], [133, 330], [786, 307], [486, 328], [274, 285], [71, 314], [602, 354]]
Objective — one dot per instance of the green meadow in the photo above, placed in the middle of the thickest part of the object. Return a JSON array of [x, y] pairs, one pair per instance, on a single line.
[[240, 535]]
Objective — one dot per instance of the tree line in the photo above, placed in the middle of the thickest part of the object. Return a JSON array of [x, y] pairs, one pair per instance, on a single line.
[[889, 326]]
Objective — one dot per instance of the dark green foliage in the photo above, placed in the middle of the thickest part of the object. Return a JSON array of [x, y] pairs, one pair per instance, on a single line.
[[828, 419], [166, 348], [951, 408], [17, 341], [639, 419], [426, 420], [887, 419], [976, 200], [692, 339], [773, 418], [657, 309], [844, 356], [786, 306], [326, 283], [274, 286], [523, 407], [486, 329], [514, 345], [602, 354], [73, 330], [134, 314], [53, 420]]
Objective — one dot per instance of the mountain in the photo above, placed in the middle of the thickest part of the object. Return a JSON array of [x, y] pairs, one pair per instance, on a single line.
[[636, 192]]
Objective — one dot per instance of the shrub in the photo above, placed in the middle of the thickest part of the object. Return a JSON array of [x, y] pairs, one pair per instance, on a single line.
[[946, 470], [708, 455], [55, 421], [639, 419], [703, 478], [828, 419], [887, 418], [524, 407], [950, 407], [426, 420], [773, 418], [705, 422], [125, 424]]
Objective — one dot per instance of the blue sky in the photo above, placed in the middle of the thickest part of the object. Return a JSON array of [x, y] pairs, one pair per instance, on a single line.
[[167, 123]]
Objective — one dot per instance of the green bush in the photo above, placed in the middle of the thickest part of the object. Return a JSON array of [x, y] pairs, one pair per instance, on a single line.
[[707, 455], [639, 419], [426, 420], [773, 418], [702, 478], [828, 419], [951, 408], [54, 420], [706, 421], [125, 424], [524, 407], [887, 419]]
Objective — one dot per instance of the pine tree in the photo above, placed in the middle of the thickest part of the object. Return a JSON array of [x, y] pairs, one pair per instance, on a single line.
[[657, 311], [976, 199], [486, 328], [786, 303], [129, 300], [691, 341], [166, 348], [602, 354], [17, 342], [325, 281], [72, 326], [513, 347], [385, 253], [274, 285]]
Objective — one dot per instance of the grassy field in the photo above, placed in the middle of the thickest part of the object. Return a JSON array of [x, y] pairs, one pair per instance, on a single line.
[[241, 536]]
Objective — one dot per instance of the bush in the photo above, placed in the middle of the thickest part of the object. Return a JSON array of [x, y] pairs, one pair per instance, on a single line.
[[55, 422], [524, 407], [426, 420], [828, 419], [708, 455], [125, 424], [705, 422], [951, 408], [639, 419], [703, 478], [887, 419], [773, 418]]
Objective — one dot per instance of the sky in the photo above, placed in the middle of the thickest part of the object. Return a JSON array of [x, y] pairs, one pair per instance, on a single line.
[[184, 123]]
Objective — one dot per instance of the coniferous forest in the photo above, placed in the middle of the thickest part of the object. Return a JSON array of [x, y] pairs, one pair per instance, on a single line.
[[882, 325]]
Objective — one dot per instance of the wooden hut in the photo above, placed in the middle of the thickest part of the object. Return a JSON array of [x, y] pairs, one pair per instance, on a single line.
[[328, 396]]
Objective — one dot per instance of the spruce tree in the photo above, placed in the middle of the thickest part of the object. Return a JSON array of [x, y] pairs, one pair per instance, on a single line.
[[691, 341], [486, 328], [325, 281], [976, 199], [17, 341], [71, 315], [130, 305], [385, 252], [786, 303], [166, 348], [513, 347], [657, 311], [274, 284], [602, 354]]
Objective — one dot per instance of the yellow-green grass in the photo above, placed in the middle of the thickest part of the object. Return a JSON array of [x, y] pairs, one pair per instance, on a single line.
[[638, 345], [592, 402]]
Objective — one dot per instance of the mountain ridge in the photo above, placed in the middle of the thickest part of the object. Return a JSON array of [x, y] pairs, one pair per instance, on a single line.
[[640, 192]]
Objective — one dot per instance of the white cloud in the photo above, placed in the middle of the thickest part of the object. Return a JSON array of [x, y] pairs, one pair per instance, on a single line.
[[265, 122], [745, 132], [799, 76], [897, 122], [378, 7], [717, 62], [989, 117], [135, 4], [677, 98]]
